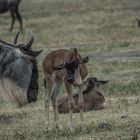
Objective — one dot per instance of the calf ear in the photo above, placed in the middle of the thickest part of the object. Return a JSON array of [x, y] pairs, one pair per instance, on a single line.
[[84, 60], [59, 67], [102, 82]]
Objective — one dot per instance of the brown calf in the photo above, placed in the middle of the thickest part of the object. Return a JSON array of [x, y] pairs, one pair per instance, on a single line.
[[93, 98], [63, 66]]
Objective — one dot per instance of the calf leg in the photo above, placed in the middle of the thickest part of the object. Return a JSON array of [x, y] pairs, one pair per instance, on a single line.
[[13, 19], [56, 90], [49, 87], [81, 104], [19, 18], [71, 102]]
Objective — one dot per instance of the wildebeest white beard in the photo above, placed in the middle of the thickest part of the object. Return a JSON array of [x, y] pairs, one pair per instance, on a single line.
[[13, 93], [15, 76]]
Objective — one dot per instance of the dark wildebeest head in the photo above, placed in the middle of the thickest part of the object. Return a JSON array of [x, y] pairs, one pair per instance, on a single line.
[[13, 7], [17, 69], [92, 86], [33, 88], [72, 63]]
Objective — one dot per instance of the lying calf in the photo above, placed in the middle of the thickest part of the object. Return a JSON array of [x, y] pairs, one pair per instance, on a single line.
[[93, 98]]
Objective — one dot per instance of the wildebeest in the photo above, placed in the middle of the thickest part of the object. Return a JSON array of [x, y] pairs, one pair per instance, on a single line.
[[93, 98], [13, 7], [18, 73], [33, 88], [63, 66]]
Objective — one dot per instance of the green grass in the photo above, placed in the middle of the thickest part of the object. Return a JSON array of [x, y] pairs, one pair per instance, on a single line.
[[94, 27]]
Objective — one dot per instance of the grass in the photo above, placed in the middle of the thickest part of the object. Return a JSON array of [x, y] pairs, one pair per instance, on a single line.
[[96, 28]]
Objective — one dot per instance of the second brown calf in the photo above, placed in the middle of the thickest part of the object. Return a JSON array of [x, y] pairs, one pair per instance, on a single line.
[[93, 98]]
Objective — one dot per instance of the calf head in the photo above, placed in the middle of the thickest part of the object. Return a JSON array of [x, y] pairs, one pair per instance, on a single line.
[[72, 64], [93, 82], [92, 87]]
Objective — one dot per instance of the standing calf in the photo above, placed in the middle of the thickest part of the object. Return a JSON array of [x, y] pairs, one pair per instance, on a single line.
[[64, 66], [13, 7], [93, 98]]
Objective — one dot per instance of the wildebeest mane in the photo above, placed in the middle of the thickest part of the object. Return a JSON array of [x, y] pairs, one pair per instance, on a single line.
[[15, 74]]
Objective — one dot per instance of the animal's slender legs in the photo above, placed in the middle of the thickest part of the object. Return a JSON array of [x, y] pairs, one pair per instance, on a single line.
[[81, 104], [13, 20], [71, 102], [19, 18], [56, 90], [47, 104], [49, 86]]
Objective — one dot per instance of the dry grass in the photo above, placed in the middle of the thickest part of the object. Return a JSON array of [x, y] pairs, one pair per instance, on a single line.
[[94, 27]]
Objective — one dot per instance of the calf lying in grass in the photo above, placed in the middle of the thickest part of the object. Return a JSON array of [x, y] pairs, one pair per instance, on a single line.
[[93, 98]]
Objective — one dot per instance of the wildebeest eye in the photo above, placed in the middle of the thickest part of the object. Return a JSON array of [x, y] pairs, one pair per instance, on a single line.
[[72, 64]]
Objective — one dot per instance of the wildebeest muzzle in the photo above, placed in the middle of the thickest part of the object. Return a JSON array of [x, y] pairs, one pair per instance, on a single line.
[[71, 67]]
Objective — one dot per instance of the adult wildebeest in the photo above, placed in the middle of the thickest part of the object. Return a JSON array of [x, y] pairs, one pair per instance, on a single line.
[[18, 72], [13, 7], [93, 98], [63, 66], [33, 88]]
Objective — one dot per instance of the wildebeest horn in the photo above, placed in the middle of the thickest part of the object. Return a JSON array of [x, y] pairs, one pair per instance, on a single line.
[[29, 44], [16, 38], [36, 53]]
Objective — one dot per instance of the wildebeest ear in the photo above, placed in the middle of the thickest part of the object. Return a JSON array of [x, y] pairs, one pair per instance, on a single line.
[[59, 67], [37, 53], [16, 38], [103, 82], [90, 81], [84, 60]]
